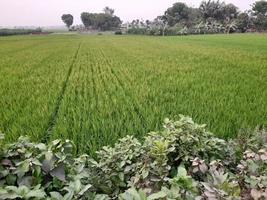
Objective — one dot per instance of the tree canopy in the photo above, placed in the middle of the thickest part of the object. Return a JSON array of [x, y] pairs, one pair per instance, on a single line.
[[101, 21], [259, 12], [175, 14], [67, 19], [260, 7]]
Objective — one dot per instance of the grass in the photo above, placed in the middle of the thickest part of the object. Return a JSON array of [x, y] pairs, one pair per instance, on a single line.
[[96, 89]]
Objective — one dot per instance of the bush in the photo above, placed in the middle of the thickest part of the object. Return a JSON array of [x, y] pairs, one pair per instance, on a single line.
[[137, 31], [29, 170], [118, 33], [183, 161]]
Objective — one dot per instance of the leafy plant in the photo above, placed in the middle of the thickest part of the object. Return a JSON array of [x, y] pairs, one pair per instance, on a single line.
[[182, 161], [30, 170]]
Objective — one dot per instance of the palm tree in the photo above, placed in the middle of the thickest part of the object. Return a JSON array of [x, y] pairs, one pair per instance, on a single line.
[[161, 24], [184, 31], [207, 27], [211, 9], [230, 26]]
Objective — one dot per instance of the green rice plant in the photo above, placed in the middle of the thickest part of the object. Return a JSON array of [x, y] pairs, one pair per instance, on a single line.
[[95, 90]]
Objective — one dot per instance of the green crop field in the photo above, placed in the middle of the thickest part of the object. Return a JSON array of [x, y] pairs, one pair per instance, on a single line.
[[96, 89]]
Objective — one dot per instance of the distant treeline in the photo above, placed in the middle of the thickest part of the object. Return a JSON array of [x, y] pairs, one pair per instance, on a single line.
[[212, 16], [7, 32]]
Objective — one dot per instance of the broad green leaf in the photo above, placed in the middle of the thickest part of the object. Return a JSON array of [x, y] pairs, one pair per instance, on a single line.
[[59, 172], [145, 173], [77, 186], [41, 146], [181, 171], [101, 197], [69, 196], [23, 167], [11, 179], [159, 195], [26, 181], [9, 195], [38, 194], [56, 196]]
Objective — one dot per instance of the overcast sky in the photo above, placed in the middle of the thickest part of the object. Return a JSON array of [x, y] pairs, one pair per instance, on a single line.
[[48, 12]]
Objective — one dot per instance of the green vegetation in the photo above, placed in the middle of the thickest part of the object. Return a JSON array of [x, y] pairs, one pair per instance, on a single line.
[[7, 32], [67, 19], [212, 17], [96, 89], [182, 161], [105, 21]]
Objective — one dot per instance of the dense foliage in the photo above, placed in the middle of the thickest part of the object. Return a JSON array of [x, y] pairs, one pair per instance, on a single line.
[[259, 12], [101, 21], [211, 17], [183, 161], [67, 19]]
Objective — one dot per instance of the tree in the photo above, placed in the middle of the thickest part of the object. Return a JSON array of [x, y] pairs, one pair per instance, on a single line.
[[259, 11], [230, 26], [108, 11], [260, 22], [173, 15], [243, 22], [161, 25], [229, 12], [194, 17], [260, 7], [101, 21], [67, 19], [211, 9], [105, 22], [147, 22], [88, 19]]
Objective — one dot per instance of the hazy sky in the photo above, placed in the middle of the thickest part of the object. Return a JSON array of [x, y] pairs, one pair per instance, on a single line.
[[48, 12]]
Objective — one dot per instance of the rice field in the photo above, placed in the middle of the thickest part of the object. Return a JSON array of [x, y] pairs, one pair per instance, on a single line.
[[97, 89]]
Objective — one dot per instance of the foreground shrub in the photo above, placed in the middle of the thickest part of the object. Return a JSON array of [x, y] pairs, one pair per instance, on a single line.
[[183, 161], [29, 170]]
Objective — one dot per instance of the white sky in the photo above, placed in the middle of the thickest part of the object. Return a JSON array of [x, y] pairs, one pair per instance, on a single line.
[[48, 12]]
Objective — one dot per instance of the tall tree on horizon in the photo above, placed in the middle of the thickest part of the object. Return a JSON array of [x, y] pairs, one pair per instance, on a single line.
[[67, 19]]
